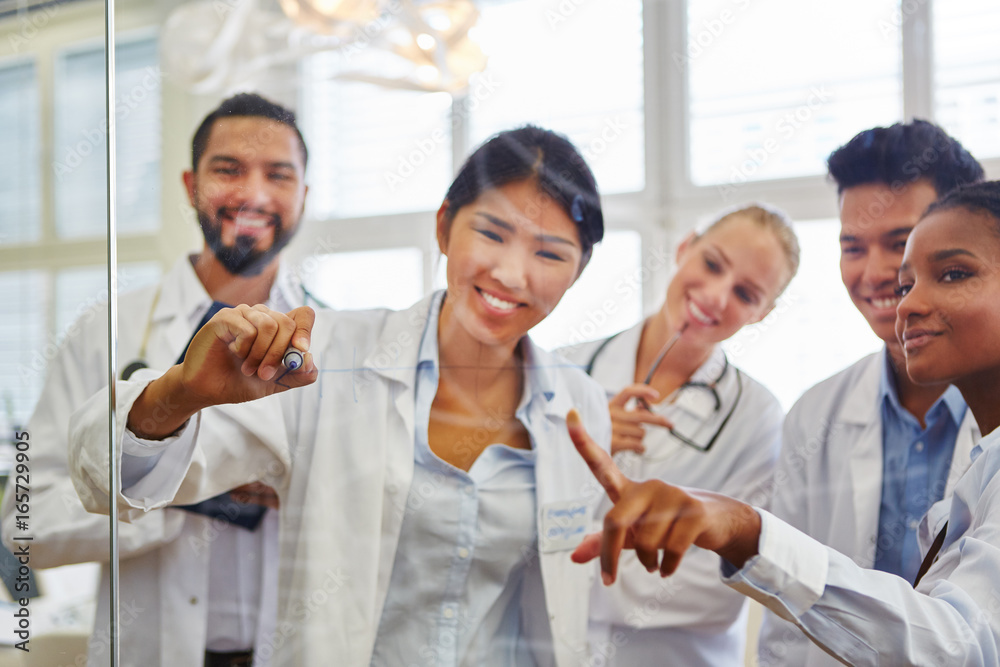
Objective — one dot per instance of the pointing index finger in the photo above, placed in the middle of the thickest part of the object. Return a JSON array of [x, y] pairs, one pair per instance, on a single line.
[[599, 461]]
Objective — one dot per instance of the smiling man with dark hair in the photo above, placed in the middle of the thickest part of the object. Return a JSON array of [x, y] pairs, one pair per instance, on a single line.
[[868, 451], [198, 585]]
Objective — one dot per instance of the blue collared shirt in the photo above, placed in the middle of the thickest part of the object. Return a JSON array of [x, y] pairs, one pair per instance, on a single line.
[[915, 464], [454, 595]]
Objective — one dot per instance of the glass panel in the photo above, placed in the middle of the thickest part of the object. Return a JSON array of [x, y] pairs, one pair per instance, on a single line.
[[25, 349], [814, 330], [606, 298], [374, 150], [769, 99], [590, 88], [37, 396], [389, 278], [20, 187], [967, 73], [83, 290], [81, 140]]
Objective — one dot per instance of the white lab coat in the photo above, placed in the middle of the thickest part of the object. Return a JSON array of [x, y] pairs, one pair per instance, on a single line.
[[829, 483], [164, 556], [340, 454], [698, 620]]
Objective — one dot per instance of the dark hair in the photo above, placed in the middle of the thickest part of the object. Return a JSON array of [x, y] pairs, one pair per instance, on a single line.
[[244, 105], [542, 156], [902, 154], [981, 197]]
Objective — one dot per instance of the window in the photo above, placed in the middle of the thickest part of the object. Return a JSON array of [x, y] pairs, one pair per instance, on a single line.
[[20, 184], [967, 73], [389, 278], [81, 130], [381, 151], [374, 150], [576, 68], [769, 99], [26, 350]]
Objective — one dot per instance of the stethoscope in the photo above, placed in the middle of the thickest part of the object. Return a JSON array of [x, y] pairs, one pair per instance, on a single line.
[[710, 386], [140, 362]]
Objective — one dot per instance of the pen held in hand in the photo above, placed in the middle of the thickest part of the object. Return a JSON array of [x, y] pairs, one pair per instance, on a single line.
[[292, 359]]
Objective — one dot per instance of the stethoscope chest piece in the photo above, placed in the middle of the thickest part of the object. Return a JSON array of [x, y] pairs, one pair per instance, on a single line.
[[134, 366]]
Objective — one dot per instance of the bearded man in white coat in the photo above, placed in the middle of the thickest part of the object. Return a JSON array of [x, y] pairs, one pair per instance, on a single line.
[[866, 452], [194, 589]]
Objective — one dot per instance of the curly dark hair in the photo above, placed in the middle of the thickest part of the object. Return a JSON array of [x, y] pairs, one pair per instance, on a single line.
[[902, 154]]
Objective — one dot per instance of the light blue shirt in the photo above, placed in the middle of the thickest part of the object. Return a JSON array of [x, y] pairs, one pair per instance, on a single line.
[[915, 465], [454, 595]]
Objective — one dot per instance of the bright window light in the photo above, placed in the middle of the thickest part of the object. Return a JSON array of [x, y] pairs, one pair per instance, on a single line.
[[770, 98]]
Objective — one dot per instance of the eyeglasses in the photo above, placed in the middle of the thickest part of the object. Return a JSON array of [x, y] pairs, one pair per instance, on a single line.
[[712, 388]]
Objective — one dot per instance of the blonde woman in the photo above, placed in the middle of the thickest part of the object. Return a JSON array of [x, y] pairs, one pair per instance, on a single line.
[[683, 413]]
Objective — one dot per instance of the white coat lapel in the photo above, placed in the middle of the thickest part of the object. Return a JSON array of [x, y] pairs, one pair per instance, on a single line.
[[393, 362], [558, 471], [861, 422]]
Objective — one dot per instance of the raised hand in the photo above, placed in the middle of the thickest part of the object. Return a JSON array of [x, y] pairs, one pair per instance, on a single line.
[[653, 517], [235, 357], [627, 429]]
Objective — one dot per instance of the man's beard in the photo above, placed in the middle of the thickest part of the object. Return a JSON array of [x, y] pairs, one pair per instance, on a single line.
[[242, 258]]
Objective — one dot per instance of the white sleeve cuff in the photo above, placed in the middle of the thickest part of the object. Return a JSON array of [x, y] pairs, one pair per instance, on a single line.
[[153, 470], [789, 573]]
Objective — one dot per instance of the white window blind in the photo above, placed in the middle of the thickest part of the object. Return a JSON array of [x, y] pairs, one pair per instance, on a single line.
[[81, 127], [24, 347], [967, 73], [775, 86], [372, 149], [20, 196], [573, 67]]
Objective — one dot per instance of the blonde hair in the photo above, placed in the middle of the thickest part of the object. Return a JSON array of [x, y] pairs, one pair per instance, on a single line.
[[774, 220]]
